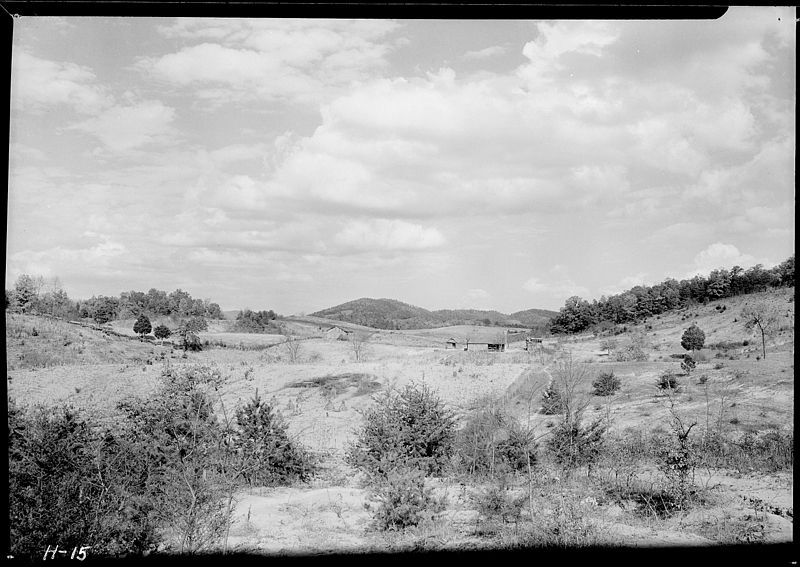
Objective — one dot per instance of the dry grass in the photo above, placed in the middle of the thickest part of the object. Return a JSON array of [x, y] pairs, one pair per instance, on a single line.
[[320, 398]]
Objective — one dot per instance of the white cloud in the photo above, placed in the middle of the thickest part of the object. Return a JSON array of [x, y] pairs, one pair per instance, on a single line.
[[626, 283], [720, 255], [235, 153], [558, 285], [486, 52], [61, 261], [534, 285], [38, 84], [271, 59], [478, 294], [123, 128], [384, 234]]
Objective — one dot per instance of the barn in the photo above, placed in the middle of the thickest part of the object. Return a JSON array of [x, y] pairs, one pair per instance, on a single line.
[[492, 339], [334, 333]]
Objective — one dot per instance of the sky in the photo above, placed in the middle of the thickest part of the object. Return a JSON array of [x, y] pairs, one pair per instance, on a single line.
[[492, 164]]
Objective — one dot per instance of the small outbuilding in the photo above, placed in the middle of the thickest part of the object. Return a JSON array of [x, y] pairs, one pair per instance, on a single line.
[[450, 343], [531, 342], [334, 333]]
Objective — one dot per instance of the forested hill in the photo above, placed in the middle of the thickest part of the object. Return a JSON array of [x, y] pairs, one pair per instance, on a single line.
[[393, 314], [641, 302]]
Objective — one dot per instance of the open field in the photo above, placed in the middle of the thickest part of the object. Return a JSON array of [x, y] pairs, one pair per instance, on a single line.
[[732, 390]]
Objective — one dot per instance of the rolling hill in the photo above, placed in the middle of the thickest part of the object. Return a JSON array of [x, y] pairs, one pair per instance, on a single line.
[[393, 314]]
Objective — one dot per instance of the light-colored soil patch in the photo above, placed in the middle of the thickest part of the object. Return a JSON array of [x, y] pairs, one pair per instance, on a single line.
[[305, 520]]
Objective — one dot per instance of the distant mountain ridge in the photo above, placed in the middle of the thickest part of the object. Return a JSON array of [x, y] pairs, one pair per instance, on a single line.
[[392, 314]]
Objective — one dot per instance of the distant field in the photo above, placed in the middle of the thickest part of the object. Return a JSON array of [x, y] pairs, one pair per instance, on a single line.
[[247, 339]]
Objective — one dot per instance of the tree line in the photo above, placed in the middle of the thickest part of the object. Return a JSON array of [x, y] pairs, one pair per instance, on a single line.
[[640, 302], [37, 295]]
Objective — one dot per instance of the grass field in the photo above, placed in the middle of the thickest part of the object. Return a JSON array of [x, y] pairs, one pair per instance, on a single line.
[[731, 390]]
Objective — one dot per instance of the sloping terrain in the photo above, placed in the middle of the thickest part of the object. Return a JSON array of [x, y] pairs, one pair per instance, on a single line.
[[393, 314], [322, 395], [38, 342]]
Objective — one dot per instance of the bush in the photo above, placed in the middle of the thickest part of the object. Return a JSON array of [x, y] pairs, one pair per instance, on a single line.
[[401, 499], [552, 402], [273, 458], [494, 441], [162, 332], [179, 442], [410, 428], [497, 503], [142, 326], [573, 444], [693, 338], [630, 353], [64, 490], [688, 364], [606, 384], [667, 381]]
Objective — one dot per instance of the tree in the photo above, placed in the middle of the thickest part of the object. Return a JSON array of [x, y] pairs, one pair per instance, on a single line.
[[103, 312], [411, 428], [688, 364], [142, 326], [573, 443], [357, 342], [608, 345], [292, 346], [272, 456], [189, 338], [765, 318], [786, 271], [693, 338], [26, 292], [162, 332]]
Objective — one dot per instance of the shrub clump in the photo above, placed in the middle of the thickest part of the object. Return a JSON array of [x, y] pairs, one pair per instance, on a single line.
[[573, 444], [693, 338], [407, 428], [493, 441], [688, 364], [274, 459], [497, 504], [552, 402], [606, 384], [667, 381], [401, 500], [55, 461]]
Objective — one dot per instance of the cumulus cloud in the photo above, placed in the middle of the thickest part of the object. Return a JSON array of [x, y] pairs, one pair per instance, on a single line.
[[385, 234], [625, 284], [478, 293], [720, 255], [38, 84], [486, 52], [100, 258], [448, 144], [123, 128], [272, 58], [558, 284], [534, 285], [622, 144]]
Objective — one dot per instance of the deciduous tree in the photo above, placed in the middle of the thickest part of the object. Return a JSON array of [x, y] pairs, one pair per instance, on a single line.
[[693, 338], [142, 326], [763, 317]]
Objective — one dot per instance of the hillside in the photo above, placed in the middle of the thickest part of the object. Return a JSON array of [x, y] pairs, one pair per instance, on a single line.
[[744, 399], [393, 314]]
